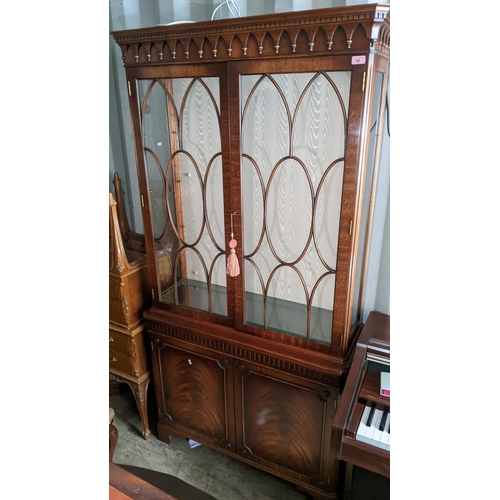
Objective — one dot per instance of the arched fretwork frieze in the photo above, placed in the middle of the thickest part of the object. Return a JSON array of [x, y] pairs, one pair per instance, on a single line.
[[362, 29]]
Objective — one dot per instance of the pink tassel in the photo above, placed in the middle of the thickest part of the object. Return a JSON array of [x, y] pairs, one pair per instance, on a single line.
[[233, 266]]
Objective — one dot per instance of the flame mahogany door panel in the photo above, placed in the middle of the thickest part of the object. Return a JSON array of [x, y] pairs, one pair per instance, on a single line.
[[194, 394], [284, 423]]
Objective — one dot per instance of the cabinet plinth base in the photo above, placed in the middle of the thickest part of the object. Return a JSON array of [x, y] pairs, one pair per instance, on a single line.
[[165, 432]]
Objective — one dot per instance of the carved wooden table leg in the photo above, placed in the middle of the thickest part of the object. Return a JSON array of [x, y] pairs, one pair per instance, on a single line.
[[140, 391], [113, 435]]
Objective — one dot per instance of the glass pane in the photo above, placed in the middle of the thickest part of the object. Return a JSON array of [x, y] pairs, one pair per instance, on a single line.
[[374, 132], [286, 309], [293, 146], [322, 309], [182, 148], [289, 207]]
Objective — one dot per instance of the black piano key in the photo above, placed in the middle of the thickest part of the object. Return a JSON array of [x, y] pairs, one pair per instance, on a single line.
[[389, 429], [370, 417], [383, 421]]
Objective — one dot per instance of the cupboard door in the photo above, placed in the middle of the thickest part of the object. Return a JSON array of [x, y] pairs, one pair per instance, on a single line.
[[285, 423], [194, 394]]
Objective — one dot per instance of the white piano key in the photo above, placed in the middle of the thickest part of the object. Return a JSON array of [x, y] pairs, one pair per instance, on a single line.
[[369, 422], [368, 425], [377, 433], [360, 433], [371, 435]]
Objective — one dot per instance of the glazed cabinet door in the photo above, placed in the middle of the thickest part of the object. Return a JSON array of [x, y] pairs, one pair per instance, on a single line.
[[182, 131], [296, 171], [284, 423], [194, 394]]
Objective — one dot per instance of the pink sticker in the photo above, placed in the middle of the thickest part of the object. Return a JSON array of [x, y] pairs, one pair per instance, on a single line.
[[358, 60]]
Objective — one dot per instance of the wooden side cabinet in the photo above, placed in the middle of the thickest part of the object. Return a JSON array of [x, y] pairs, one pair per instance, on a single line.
[[128, 363], [129, 296], [129, 289]]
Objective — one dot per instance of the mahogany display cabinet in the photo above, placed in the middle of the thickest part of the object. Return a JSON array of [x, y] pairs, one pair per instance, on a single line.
[[257, 143]]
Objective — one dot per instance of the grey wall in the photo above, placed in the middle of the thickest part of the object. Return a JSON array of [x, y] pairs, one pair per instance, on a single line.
[[130, 14]]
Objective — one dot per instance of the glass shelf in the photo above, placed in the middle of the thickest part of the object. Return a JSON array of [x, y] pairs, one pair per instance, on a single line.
[[283, 316]]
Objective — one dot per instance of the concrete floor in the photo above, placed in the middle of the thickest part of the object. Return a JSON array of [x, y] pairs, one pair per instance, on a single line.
[[221, 476]]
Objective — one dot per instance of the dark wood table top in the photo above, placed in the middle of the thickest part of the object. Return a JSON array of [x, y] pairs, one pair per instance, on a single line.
[[123, 485]]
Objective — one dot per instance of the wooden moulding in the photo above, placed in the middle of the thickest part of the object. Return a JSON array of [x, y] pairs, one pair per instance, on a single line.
[[119, 262], [310, 365], [358, 28]]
